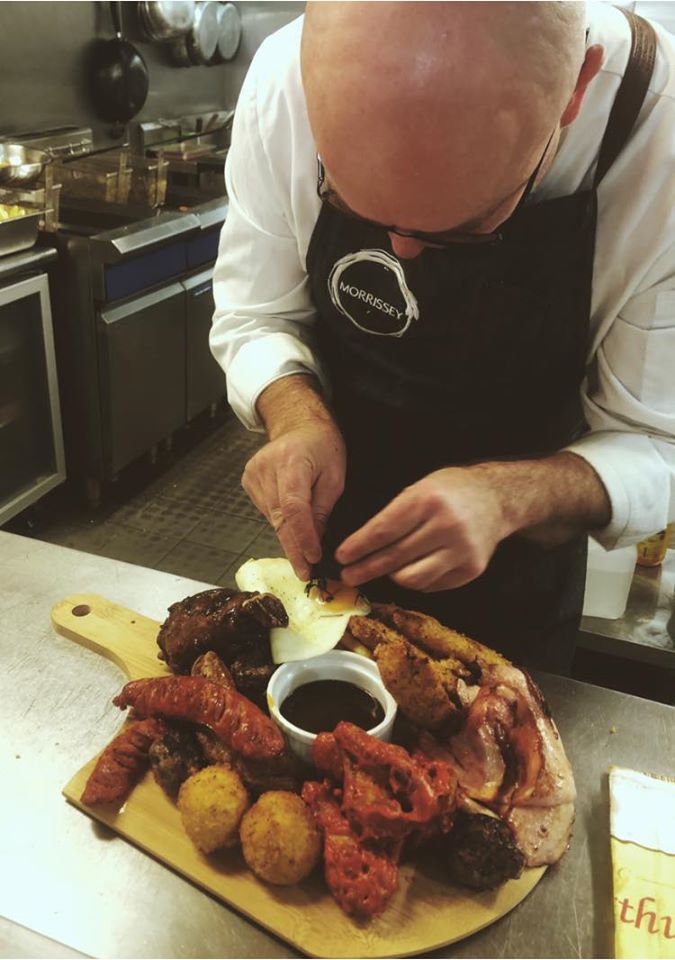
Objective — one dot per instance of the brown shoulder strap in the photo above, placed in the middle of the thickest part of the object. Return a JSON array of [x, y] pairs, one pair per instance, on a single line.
[[630, 95]]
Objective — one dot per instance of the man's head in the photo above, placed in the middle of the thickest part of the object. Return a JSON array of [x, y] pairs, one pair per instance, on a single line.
[[432, 116]]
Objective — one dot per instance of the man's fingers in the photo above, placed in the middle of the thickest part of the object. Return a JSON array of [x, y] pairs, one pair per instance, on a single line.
[[285, 502], [293, 553], [416, 545], [327, 490], [438, 571], [295, 519], [257, 494], [398, 518], [295, 481], [453, 579]]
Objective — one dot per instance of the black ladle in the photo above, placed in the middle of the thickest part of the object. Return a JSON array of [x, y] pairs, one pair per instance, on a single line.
[[119, 75]]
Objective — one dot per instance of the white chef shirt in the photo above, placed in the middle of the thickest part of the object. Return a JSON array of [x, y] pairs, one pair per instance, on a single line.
[[262, 328]]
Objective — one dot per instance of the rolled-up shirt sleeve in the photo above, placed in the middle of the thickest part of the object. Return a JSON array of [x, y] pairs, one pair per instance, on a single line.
[[263, 320], [630, 410]]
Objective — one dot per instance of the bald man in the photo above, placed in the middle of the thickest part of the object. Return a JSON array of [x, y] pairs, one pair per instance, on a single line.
[[446, 291]]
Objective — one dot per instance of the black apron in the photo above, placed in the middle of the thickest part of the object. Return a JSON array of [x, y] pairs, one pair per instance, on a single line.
[[466, 354]]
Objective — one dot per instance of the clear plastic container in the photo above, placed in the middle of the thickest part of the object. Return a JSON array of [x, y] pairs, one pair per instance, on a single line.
[[609, 575]]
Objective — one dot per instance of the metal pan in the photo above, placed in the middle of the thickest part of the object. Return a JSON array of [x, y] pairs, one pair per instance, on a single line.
[[179, 52], [19, 164], [229, 33], [119, 76], [198, 45], [19, 233], [203, 38], [165, 20]]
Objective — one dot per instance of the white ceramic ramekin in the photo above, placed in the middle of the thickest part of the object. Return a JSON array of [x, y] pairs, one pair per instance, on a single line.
[[336, 665]]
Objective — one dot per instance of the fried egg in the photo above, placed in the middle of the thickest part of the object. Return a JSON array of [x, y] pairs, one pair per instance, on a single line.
[[317, 618]]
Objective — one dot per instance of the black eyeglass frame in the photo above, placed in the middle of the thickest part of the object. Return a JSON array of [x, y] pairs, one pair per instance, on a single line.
[[446, 238]]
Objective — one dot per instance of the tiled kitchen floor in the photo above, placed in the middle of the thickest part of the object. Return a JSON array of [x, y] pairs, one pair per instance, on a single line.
[[188, 515]]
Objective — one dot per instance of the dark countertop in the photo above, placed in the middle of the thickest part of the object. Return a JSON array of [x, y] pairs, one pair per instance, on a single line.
[[33, 259], [78, 884]]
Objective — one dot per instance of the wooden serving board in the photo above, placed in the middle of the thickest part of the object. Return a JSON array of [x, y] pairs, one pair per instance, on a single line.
[[425, 913]]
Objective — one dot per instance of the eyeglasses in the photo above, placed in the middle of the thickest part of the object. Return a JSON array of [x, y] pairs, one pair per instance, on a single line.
[[445, 238]]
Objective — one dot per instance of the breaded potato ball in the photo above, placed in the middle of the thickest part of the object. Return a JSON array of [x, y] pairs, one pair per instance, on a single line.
[[211, 804], [279, 838]]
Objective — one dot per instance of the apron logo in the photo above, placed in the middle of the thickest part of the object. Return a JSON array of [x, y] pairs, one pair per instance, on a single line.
[[370, 289]]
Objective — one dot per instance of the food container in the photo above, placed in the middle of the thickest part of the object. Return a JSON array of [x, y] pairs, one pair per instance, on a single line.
[[20, 165], [609, 575], [652, 551], [45, 199], [336, 665], [19, 232]]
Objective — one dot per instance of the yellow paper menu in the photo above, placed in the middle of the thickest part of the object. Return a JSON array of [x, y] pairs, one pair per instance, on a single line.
[[642, 825]]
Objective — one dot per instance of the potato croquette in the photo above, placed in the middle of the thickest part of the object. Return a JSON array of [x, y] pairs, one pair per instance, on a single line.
[[279, 838], [212, 803]]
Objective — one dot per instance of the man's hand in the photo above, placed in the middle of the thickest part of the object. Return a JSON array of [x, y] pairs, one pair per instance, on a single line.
[[437, 534], [441, 532], [296, 478]]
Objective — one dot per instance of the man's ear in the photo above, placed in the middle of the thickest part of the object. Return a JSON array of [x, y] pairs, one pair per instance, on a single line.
[[591, 66]]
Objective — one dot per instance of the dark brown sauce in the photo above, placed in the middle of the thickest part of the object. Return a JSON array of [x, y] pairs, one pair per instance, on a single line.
[[320, 705]]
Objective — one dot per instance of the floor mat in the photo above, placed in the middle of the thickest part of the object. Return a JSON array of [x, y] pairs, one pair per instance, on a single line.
[[187, 514]]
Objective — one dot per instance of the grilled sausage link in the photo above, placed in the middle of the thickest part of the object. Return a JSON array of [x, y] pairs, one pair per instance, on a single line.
[[233, 718], [121, 763]]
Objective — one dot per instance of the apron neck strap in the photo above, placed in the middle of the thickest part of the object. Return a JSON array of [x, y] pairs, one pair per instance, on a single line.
[[631, 93]]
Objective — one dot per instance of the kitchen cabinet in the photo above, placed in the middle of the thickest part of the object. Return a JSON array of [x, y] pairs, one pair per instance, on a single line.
[[31, 443], [133, 313], [142, 368], [205, 384]]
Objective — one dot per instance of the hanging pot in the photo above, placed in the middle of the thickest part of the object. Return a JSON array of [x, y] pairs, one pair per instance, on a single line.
[[199, 44], [229, 33], [203, 38], [118, 75], [164, 20], [179, 52]]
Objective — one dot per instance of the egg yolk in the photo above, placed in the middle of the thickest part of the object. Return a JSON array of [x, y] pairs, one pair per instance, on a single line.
[[335, 595]]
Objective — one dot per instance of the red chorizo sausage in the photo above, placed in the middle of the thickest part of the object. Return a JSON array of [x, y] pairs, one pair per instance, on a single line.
[[121, 763], [233, 718]]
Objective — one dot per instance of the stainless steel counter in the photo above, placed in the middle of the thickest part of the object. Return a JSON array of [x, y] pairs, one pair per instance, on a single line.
[[646, 631], [37, 258], [67, 878]]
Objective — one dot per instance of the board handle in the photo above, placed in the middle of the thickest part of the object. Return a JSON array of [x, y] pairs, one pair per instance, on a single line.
[[123, 636]]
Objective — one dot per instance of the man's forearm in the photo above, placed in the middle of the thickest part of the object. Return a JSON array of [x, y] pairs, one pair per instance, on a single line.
[[291, 402], [552, 499], [549, 500]]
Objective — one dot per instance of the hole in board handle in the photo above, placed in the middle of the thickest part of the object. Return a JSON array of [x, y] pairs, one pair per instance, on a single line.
[[81, 610]]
